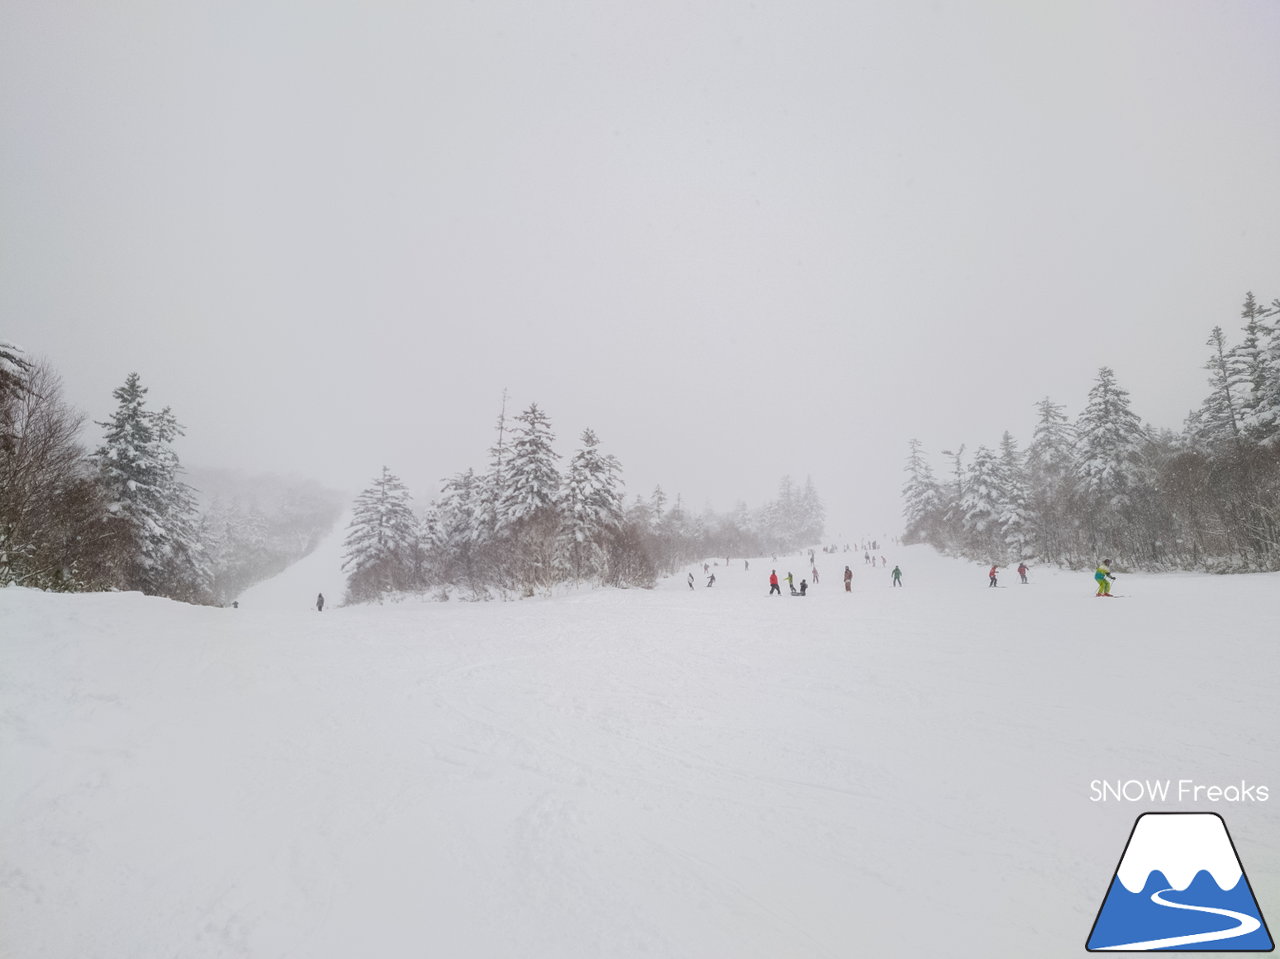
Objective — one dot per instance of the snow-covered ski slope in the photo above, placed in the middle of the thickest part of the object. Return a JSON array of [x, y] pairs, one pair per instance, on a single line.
[[320, 571], [709, 773]]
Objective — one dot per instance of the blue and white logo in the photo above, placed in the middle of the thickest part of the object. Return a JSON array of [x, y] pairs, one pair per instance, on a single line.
[[1180, 887]]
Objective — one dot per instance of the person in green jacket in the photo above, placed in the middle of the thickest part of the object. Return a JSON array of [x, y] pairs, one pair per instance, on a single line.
[[1104, 576], [897, 576]]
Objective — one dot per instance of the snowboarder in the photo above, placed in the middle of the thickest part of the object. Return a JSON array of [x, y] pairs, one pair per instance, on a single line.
[[897, 576], [773, 583], [848, 580], [712, 580], [992, 575], [1104, 576], [691, 580], [1022, 571], [320, 603], [791, 581], [815, 576], [803, 587]]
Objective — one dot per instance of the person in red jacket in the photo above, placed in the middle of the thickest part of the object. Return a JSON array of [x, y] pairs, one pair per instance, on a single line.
[[773, 583], [992, 574]]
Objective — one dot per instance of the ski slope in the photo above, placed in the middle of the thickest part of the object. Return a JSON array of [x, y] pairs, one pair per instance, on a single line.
[[664, 773], [320, 571]]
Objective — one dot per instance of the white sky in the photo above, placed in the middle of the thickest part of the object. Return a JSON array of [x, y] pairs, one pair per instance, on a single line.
[[736, 239]]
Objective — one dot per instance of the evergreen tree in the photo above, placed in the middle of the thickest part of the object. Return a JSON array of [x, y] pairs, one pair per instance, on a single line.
[[460, 536], [590, 508], [922, 499], [811, 515], [1255, 367], [1049, 475], [154, 510], [1220, 415], [382, 541], [1111, 443], [1014, 515], [981, 506], [1267, 411], [528, 513], [15, 369]]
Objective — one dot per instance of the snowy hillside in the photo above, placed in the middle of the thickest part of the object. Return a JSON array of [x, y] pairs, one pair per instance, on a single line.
[[319, 572], [684, 773]]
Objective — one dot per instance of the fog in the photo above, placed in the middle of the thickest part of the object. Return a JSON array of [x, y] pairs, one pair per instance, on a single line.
[[736, 240]]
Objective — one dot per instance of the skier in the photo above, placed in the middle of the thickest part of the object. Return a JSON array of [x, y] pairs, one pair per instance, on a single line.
[[691, 580], [773, 583], [320, 603], [897, 576], [1022, 571], [1104, 576], [848, 580], [791, 581], [815, 576], [992, 574], [803, 586]]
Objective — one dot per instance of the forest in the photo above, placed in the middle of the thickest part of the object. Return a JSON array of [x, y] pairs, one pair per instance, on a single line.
[[524, 524], [1106, 485], [121, 515]]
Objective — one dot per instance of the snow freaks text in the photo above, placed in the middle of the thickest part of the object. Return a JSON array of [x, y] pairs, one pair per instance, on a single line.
[[1168, 790]]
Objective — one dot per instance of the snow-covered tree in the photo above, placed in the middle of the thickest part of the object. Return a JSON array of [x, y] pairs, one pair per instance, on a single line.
[[53, 530], [981, 506], [1265, 420], [1219, 418], [590, 508], [811, 515], [460, 546], [15, 368], [1110, 465], [1050, 461], [380, 549], [1015, 514], [1254, 359], [921, 499], [140, 472], [528, 517]]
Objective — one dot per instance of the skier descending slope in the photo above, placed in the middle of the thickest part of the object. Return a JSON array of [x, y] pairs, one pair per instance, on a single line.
[[1104, 576]]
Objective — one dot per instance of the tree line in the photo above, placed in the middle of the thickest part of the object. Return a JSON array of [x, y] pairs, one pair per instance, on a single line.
[[120, 515], [1108, 485], [526, 523]]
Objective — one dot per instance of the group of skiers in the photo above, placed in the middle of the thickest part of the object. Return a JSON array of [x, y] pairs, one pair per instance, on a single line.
[[775, 587]]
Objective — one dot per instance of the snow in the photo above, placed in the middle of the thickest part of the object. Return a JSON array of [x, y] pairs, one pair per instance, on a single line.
[[680, 773], [320, 571]]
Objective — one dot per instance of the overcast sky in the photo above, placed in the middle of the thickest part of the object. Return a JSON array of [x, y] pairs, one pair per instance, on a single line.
[[735, 239]]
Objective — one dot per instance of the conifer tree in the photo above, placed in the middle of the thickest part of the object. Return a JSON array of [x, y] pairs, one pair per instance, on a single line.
[[1110, 465], [1049, 472], [590, 508], [382, 541], [1219, 418], [153, 509], [1014, 516], [981, 505], [922, 499], [528, 515]]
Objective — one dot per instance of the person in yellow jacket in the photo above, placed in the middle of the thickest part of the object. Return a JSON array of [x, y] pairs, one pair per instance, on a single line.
[[1104, 576]]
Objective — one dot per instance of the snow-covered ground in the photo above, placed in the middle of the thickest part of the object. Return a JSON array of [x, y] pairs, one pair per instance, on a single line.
[[707, 773]]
